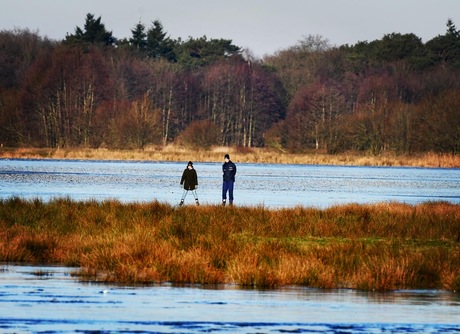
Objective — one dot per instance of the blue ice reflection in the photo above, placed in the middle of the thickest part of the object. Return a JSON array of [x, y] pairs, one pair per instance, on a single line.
[[48, 299], [270, 185]]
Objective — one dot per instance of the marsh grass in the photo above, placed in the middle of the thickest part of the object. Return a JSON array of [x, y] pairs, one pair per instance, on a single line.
[[239, 154], [382, 246]]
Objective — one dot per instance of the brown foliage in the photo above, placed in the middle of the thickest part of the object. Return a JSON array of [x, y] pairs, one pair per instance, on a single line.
[[200, 135], [395, 95], [383, 246]]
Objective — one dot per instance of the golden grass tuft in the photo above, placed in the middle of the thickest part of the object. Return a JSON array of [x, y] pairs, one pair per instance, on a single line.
[[238, 154], [383, 246]]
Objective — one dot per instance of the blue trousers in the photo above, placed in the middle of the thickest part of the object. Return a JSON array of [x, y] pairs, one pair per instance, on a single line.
[[227, 186]]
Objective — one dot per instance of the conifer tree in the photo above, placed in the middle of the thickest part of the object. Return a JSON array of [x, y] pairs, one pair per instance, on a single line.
[[139, 37], [94, 32], [158, 45]]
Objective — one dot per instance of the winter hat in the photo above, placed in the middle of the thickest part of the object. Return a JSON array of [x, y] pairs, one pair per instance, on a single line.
[[226, 156], [190, 163]]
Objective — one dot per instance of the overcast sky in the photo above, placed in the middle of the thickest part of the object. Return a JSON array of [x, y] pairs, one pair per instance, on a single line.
[[262, 26]]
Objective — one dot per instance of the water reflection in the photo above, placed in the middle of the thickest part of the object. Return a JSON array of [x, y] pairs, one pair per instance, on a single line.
[[49, 299], [257, 184]]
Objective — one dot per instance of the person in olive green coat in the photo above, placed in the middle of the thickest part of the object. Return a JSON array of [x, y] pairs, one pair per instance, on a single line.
[[189, 181]]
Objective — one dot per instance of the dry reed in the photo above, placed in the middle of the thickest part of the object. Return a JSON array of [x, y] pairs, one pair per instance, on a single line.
[[380, 246], [250, 155]]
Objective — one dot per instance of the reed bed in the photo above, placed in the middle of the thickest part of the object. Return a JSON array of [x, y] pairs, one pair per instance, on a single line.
[[250, 155], [382, 246]]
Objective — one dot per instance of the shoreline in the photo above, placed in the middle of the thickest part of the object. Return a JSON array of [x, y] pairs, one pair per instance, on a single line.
[[241, 155]]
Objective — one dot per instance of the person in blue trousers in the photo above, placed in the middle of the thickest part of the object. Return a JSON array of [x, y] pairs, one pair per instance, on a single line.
[[228, 172]]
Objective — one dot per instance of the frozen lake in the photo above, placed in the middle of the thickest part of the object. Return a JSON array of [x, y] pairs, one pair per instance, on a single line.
[[270, 185], [49, 300]]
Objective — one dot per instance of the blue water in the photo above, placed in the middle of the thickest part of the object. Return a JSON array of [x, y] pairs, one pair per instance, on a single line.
[[50, 300], [270, 185]]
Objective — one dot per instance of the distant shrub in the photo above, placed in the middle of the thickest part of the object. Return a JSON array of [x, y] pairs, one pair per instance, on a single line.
[[200, 134]]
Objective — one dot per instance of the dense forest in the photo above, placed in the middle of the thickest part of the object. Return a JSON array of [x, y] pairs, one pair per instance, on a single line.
[[91, 89]]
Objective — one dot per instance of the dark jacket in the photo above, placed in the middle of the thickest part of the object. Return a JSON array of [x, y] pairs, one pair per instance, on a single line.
[[229, 171], [189, 179]]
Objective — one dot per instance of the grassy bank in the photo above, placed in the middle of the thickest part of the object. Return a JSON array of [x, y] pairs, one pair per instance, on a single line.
[[253, 155], [380, 246]]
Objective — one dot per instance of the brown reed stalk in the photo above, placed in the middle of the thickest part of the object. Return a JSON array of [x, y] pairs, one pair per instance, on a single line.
[[252, 155], [381, 246]]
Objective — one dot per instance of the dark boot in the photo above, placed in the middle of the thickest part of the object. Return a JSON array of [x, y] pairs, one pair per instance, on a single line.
[[181, 202], [223, 202], [197, 202], [231, 202]]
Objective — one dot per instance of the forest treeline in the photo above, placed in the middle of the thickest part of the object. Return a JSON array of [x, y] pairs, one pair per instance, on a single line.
[[92, 90]]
